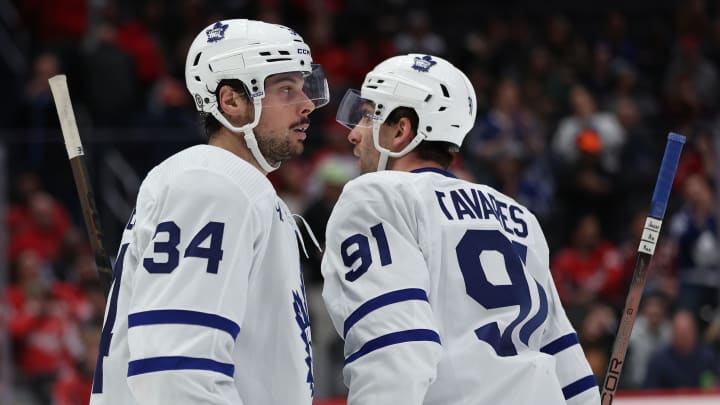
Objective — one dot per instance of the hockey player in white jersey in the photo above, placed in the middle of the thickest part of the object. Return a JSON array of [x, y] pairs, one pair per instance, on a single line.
[[441, 288], [208, 303]]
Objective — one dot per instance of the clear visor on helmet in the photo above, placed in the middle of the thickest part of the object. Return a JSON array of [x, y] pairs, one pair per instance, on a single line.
[[296, 87], [355, 111], [316, 86]]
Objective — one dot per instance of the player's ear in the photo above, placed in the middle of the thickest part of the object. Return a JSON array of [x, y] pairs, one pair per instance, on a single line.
[[234, 105], [403, 134]]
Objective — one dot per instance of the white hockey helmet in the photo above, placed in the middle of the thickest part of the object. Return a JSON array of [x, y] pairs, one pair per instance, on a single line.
[[441, 95], [249, 51]]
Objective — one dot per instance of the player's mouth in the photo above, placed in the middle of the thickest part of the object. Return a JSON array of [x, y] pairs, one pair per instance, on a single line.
[[301, 131]]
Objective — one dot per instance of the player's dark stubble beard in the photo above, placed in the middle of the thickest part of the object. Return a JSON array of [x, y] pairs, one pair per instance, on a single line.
[[277, 147]]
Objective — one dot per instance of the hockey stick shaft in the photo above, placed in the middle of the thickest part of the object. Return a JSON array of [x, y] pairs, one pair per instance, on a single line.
[[73, 145], [648, 241]]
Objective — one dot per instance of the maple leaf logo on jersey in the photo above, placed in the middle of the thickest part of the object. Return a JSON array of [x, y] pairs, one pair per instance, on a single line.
[[303, 321], [423, 64], [217, 32]]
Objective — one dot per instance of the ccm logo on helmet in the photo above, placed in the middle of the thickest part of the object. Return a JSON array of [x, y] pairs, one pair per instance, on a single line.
[[303, 52]]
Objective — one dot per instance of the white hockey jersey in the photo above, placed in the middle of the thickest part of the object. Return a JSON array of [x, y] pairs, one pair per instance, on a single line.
[[442, 291], [208, 304]]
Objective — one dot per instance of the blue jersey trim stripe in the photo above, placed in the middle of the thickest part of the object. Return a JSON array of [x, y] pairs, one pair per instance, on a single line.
[[433, 170], [412, 335], [380, 301], [560, 344], [153, 364], [178, 316], [579, 386]]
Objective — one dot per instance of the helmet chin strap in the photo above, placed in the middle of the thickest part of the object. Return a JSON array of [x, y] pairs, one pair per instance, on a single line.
[[252, 144], [249, 135], [382, 161], [385, 153]]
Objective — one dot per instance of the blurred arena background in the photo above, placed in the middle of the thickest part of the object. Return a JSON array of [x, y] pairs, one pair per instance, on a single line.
[[575, 102]]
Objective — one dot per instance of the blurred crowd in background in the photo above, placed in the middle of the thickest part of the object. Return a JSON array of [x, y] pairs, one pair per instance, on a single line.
[[575, 101]]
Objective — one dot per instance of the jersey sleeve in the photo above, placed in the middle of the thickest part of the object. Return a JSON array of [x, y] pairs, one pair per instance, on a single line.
[[195, 248], [560, 340], [376, 291]]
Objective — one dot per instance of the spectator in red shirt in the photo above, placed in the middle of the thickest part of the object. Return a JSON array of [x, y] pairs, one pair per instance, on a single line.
[[589, 269], [43, 332], [41, 227], [18, 213]]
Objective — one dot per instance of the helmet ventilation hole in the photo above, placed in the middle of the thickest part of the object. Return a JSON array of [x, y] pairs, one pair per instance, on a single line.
[[197, 59], [443, 108], [445, 91]]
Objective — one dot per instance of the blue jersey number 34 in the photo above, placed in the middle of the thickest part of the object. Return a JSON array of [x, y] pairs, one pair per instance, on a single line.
[[165, 243]]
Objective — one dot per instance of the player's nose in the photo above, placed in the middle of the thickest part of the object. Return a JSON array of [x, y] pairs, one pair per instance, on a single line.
[[354, 136], [306, 104]]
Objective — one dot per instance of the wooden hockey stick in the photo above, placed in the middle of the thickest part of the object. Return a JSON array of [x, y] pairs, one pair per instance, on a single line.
[[646, 250], [61, 94]]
